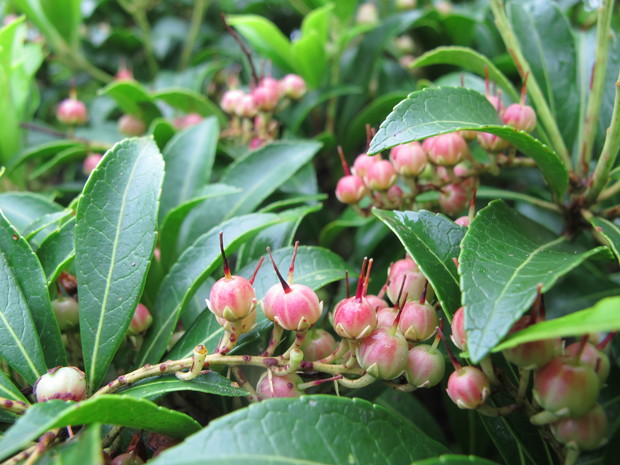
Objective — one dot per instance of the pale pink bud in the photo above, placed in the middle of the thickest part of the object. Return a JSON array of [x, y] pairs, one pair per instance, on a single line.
[[90, 163], [380, 176], [293, 86], [448, 149], [519, 116], [72, 112], [408, 159], [141, 320], [351, 189], [468, 387], [230, 100], [383, 354], [131, 126], [65, 383]]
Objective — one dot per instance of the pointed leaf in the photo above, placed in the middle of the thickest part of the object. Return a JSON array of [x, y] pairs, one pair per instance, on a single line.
[[29, 332], [9, 390], [609, 231], [505, 257], [187, 274], [81, 449], [22, 208], [312, 429], [435, 111], [470, 60], [57, 251], [114, 237], [133, 99], [209, 383], [189, 159], [602, 317], [432, 240], [107, 409], [190, 101]]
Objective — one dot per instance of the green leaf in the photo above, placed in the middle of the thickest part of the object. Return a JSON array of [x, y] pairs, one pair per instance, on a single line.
[[209, 383], [287, 156], [42, 227], [190, 101], [470, 60], [107, 409], [505, 257], [9, 390], [312, 429], [61, 158], [602, 317], [57, 251], [171, 225], [163, 131], [189, 160], [46, 150], [195, 264], [315, 267], [548, 45], [22, 208], [432, 240], [115, 232], [83, 448], [609, 231], [450, 459], [133, 99], [435, 111], [266, 39], [30, 334]]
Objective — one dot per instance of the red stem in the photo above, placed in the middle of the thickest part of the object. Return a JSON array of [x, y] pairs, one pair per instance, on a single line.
[[345, 166], [260, 263], [285, 285], [360, 282], [291, 269], [224, 260]]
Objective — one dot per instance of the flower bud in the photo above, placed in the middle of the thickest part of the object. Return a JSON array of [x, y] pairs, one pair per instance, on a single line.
[[65, 383], [588, 432], [468, 387], [91, 162], [408, 159], [351, 189], [590, 355], [131, 126], [362, 163], [414, 280], [463, 221], [497, 103], [520, 117], [453, 199], [231, 99], [354, 318], [67, 313], [232, 298], [141, 320], [447, 149], [425, 366], [295, 310], [380, 176], [535, 354], [72, 112], [293, 86], [459, 336], [266, 98], [418, 321], [270, 387], [383, 354], [491, 142], [246, 107], [317, 345]]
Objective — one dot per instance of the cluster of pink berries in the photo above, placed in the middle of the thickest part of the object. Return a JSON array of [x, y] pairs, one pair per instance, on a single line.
[[441, 163], [252, 113]]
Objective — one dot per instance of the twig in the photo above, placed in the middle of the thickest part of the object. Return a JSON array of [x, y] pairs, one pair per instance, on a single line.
[[244, 49], [15, 406]]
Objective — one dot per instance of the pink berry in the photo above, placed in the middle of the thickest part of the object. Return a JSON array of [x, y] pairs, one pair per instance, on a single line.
[[531, 355], [448, 149], [232, 298], [590, 355], [425, 366], [520, 117], [65, 383], [418, 321], [453, 199], [141, 320], [91, 162], [468, 387], [408, 159], [587, 432], [72, 112], [297, 309], [318, 344], [351, 189], [67, 313], [459, 336], [380, 176], [271, 387], [362, 163], [266, 98], [231, 99], [383, 354], [386, 317], [566, 387], [293, 86], [131, 126], [414, 280], [354, 318]]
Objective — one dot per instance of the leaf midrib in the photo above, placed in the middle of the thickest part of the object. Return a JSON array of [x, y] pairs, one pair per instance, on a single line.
[[106, 293]]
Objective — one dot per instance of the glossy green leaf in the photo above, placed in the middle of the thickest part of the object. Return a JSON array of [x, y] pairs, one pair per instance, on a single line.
[[163, 131], [42, 227], [22, 208], [312, 429], [450, 459], [172, 222], [548, 44], [315, 267], [9, 390], [43, 151], [505, 257], [287, 156], [190, 101], [209, 383], [602, 317], [65, 156], [107, 409], [57, 251], [30, 334], [435, 111], [265, 38], [609, 231], [470, 60], [195, 264], [114, 239], [432, 240], [133, 99], [189, 160], [83, 448]]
